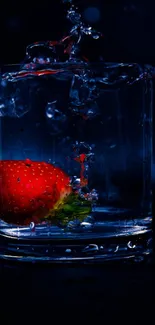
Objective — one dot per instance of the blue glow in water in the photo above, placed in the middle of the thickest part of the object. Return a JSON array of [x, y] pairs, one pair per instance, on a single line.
[[92, 14]]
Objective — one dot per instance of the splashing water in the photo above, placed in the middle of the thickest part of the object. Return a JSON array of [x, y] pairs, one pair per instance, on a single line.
[[66, 92], [62, 60]]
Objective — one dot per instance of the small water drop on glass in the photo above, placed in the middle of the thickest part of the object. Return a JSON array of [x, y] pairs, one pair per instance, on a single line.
[[50, 109], [86, 225], [68, 250], [92, 248], [32, 226], [130, 245], [75, 181], [95, 36]]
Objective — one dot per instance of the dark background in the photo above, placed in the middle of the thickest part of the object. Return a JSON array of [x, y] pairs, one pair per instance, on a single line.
[[110, 293], [128, 27]]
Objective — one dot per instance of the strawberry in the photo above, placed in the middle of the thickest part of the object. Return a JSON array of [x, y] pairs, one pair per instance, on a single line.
[[29, 189]]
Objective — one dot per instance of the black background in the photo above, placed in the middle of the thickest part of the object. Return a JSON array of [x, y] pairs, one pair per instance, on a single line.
[[110, 293], [128, 28]]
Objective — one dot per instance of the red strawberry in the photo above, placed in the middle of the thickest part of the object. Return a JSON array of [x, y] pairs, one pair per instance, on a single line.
[[29, 188]]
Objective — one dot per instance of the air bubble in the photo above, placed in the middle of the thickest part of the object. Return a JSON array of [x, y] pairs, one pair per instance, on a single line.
[[50, 109], [75, 181], [57, 121]]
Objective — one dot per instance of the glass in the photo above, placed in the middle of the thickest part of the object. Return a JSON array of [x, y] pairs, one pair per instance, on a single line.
[[75, 162]]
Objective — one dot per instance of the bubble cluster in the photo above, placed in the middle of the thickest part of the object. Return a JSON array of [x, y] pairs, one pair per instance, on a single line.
[[73, 16], [81, 147], [83, 96], [84, 155]]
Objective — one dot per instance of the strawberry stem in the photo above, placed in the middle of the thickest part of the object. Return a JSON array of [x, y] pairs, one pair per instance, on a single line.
[[68, 209]]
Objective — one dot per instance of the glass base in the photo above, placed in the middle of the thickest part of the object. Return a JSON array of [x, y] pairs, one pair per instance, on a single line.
[[123, 240]]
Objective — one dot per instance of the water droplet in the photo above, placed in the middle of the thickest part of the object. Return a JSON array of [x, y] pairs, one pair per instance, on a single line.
[[32, 226], [75, 181], [50, 109], [87, 30], [73, 224], [96, 35], [57, 121], [68, 250], [117, 248], [86, 225], [92, 248], [130, 245]]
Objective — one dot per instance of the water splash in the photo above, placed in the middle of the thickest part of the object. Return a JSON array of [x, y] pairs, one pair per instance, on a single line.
[[78, 30], [13, 106], [49, 58], [83, 96], [67, 49]]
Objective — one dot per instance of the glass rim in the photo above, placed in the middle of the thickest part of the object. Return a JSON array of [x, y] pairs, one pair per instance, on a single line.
[[68, 65]]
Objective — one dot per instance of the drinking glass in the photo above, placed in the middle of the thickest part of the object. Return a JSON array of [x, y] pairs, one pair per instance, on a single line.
[[75, 162]]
